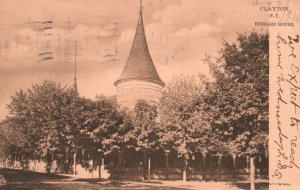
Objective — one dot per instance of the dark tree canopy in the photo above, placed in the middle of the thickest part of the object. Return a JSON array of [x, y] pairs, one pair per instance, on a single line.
[[184, 118], [146, 129], [45, 115], [239, 99]]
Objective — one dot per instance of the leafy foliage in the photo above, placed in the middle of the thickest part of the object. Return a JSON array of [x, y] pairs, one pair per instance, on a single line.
[[45, 115], [239, 97], [54, 123], [226, 116], [146, 129], [184, 118]]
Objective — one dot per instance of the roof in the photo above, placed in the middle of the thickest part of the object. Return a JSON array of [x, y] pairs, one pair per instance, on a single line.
[[139, 65], [113, 98]]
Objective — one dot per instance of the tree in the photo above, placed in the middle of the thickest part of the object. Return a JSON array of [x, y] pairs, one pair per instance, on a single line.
[[106, 125], [146, 130], [12, 141], [57, 123], [184, 118], [44, 115], [120, 137], [239, 97]]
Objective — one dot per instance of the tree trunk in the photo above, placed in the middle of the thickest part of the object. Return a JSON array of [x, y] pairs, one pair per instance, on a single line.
[[74, 167], [234, 159], [220, 161], [184, 176], [247, 159], [100, 165], [83, 156], [49, 163], [260, 167], [6, 162], [48, 168], [167, 165], [234, 163], [219, 166], [145, 165], [149, 168], [119, 158], [22, 162], [252, 174]]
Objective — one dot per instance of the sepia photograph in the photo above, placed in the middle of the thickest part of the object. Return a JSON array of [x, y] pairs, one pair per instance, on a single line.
[[139, 94]]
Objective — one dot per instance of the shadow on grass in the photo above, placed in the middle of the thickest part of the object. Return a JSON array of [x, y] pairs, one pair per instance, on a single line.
[[85, 186], [114, 182], [258, 185], [30, 180], [15, 175]]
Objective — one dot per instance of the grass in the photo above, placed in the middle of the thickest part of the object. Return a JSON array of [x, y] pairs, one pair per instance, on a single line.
[[29, 180]]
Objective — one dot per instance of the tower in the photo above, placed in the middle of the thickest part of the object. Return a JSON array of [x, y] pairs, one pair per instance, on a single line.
[[139, 79], [75, 90]]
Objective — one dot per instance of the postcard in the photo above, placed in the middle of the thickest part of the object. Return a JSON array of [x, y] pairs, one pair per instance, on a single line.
[[150, 94]]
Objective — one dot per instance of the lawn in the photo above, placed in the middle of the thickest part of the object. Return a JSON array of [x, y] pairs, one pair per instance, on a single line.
[[28, 180]]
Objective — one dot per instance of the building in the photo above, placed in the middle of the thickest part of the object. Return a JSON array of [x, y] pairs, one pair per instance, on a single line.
[[139, 79]]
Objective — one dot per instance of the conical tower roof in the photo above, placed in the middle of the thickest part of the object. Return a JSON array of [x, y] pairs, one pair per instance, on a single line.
[[139, 65]]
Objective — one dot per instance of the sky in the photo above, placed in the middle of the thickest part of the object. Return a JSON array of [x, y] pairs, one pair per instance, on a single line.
[[37, 39]]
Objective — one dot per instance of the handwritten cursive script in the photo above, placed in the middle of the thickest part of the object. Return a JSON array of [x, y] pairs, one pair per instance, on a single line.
[[287, 78]]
